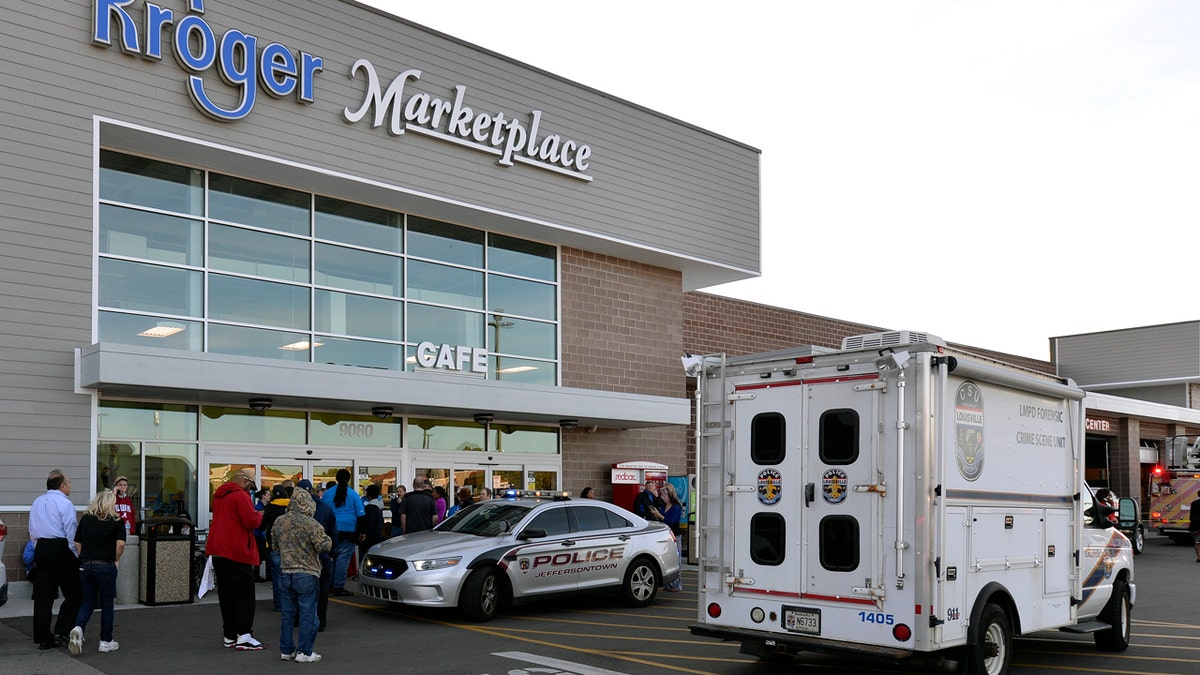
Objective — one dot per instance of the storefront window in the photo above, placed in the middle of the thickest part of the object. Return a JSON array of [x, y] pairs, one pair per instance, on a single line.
[[445, 242], [247, 202], [521, 337], [522, 258], [440, 325], [170, 479], [152, 236], [445, 285], [521, 298], [437, 476], [284, 427], [259, 342], [523, 370], [134, 420], [383, 476], [348, 314], [360, 353], [150, 288], [444, 435], [361, 431], [518, 438], [260, 254], [543, 480], [261, 302], [358, 224], [120, 459], [220, 474], [149, 182], [355, 270]]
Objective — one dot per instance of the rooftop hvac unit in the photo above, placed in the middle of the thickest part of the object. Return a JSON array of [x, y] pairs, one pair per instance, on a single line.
[[896, 338]]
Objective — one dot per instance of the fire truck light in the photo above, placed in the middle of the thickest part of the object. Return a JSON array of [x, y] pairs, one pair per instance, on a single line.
[[1157, 470]]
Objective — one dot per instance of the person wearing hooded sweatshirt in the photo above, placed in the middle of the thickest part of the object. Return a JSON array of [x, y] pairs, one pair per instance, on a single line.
[[280, 496], [300, 540], [234, 556]]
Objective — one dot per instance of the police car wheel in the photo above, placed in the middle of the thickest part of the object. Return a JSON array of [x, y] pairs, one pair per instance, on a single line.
[[479, 597], [1115, 614], [641, 583]]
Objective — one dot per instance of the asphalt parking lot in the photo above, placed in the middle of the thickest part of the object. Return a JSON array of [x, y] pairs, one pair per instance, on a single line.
[[590, 635]]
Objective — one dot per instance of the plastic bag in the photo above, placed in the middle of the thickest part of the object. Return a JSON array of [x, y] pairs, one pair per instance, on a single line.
[[208, 579]]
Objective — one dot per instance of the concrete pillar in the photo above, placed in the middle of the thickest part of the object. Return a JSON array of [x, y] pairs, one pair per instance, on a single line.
[[1124, 463], [129, 572]]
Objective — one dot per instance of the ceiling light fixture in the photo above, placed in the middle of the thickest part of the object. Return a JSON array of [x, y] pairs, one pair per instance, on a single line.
[[382, 411], [260, 404], [163, 329], [301, 346]]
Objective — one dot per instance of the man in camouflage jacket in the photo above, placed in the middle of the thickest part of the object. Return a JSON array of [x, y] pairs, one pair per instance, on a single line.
[[300, 541]]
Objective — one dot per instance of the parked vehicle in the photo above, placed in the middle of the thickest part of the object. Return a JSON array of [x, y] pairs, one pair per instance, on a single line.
[[899, 499], [1174, 486], [522, 546]]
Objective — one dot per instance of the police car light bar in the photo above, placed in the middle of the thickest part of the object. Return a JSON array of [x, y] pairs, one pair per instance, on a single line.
[[513, 493]]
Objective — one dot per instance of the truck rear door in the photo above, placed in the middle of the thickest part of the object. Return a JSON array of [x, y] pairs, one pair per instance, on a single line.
[[844, 491]]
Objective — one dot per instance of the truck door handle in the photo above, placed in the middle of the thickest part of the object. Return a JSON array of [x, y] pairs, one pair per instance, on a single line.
[[625, 537], [810, 493], [568, 542]]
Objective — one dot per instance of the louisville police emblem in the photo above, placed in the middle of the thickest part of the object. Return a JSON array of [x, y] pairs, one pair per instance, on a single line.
[[770, 486], [968, 430], [833, 486]]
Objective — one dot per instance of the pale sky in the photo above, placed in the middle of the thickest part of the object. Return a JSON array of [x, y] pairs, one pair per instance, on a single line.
[[995, 173]]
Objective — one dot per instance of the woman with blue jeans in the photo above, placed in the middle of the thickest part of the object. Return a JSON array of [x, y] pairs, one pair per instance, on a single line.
[[99, 541], [348, 509]]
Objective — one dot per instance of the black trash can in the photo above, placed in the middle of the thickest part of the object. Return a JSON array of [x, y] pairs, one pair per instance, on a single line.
[[166, 560]]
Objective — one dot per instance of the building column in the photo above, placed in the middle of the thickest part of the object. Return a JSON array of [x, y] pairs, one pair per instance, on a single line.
[[1124, 460]]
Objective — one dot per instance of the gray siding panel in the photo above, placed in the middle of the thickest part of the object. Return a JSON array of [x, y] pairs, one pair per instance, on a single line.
[[1136, 355]]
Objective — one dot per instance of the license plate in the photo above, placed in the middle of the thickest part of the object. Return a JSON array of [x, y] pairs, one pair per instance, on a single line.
[[802, 620]]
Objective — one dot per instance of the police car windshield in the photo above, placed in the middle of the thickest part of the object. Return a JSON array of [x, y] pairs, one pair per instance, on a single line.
[[486, 519]]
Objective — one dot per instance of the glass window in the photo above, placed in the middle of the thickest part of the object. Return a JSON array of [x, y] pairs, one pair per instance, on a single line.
[[518, 438], [445, 285], [170, 471], [523, 298], [518, 336], [521, 257], [839, 543], [359, 224], [218, 423], [523, 370], [259, 342], [383, 476], [150, 288], [839, 436], [444, 434], [152, 236], [235, 249], [149, 182], [149, 331], [443, 326], [445, 242], [120, 459], [768, 536], [220, 474], [546, 479], [361, 431], [357, 270], [161, 421], [767, 433], [506, 479], [347, 314], [272, 474], [591, 518], [358, 353], [270, 207], [553, 521], [259, 302]]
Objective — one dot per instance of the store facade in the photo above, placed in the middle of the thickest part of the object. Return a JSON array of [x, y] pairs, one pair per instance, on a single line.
[[305, 236]]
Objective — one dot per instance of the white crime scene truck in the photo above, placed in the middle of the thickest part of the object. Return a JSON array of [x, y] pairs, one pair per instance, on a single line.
[[898, 499]]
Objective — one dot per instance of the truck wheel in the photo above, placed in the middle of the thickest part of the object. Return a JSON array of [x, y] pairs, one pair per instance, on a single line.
[[992, 649], [641, 583], [479, 597], [1138, 540], [1115, 614]]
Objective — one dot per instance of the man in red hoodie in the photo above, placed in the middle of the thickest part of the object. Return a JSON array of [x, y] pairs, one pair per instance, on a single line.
[[234, 553]]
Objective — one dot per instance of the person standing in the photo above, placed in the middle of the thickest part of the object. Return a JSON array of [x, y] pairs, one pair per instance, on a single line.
[[299, 540], [280, 496], [418, 511], [439, 502], [372, 521], [100, 541], [348, 508], [235, 556], [261, 497], [124, 505], [647, 502], [670, 514], [52, 528], [397, 502], [1194, 526], [588, 493], [324, 515]]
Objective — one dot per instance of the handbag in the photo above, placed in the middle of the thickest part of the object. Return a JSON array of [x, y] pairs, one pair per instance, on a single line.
[[208, 579]]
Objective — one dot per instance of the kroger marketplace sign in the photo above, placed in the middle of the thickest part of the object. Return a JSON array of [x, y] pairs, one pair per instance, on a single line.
[[249, 65]]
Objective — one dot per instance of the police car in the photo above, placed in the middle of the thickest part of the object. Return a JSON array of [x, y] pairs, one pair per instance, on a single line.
[[522, 546]]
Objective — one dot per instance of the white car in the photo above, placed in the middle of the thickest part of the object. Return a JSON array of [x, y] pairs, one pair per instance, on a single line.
[[522, 546]]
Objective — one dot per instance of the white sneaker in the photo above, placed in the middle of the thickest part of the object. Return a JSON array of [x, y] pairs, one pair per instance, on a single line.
[[110, 646], [308, 658], [247, 643], [229, 643], [287, 657], [76, 642]]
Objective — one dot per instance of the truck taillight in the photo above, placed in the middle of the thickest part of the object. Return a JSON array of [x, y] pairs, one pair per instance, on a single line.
[[1157, 470], [714, 610], [1155, 515]]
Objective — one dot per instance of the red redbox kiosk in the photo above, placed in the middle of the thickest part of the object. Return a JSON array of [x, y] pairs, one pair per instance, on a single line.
[[629, 477]]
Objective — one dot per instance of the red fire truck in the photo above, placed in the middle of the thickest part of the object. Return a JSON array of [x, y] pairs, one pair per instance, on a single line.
[[1174, 485]]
